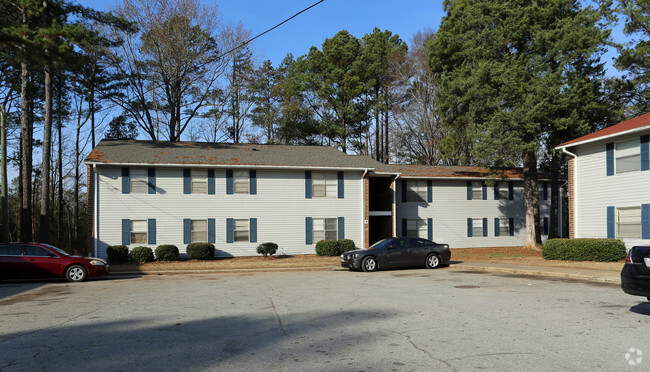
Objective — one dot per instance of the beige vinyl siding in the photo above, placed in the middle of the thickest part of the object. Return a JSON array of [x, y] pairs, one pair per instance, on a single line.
[[596, 191], [279, 206], [450, 210]]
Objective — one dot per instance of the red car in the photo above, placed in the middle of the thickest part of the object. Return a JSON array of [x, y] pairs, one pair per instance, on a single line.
[[38, 260]]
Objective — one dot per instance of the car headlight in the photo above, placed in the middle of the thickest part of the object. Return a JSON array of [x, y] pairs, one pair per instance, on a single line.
[[97, 263]]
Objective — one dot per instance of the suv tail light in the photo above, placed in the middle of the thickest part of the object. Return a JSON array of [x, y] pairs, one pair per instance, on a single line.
[[628, 258]]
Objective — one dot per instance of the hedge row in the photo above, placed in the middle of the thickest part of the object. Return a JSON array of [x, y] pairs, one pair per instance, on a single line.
[[584, 249], [334, 247], [169, 252]]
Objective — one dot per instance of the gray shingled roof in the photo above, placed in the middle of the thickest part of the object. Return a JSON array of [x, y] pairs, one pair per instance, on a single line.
[[124, 152]]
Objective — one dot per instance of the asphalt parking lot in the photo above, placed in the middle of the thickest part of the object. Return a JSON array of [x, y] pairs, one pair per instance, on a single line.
[[323, 321]]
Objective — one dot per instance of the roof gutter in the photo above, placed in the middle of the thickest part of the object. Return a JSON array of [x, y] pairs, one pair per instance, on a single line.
[[246, 166], [629, 131]]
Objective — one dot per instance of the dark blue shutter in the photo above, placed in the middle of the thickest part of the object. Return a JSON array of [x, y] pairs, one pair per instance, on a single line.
[[187, 181], [126, 231], [429, 192], [230, 230], [545, 225], [126, 181], [469, 227], [308, 186], [645, 221], [484, 187], [252, 177], [496, 227], [545, 190], [151, 231], [469, 191], [496, 191], [511, 190], [341, 227], [151, 181], [341, 190], [212, 230], [511, 226], [230, 187], [610, 158], [187, 231], [309, 230], [253, 230], [211, 188], [404, 224], [403, 191], [611, 223], [430, 228], [645, 152], [485, 227]]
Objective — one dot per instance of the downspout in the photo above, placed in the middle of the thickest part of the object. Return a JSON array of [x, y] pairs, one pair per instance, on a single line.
[[575, 191], [395, 206], [96, 211], [363, 209]]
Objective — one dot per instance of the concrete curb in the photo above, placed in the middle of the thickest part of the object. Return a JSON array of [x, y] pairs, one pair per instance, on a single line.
[[614, 279], [223, 271]]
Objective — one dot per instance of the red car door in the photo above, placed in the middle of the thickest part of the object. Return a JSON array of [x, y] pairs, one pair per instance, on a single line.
[[42, 262]]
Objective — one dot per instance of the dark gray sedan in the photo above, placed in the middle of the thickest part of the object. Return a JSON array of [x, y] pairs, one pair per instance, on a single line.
[[396, 253]]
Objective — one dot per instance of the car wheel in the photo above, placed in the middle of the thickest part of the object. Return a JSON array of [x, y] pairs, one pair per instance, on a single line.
[[76, 273], [433, 261], [369, 264]]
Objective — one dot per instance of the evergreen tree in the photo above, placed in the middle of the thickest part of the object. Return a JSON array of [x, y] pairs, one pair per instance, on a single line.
[[635, 58]]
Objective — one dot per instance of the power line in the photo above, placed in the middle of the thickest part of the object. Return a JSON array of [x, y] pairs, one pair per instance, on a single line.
[[272, 28]]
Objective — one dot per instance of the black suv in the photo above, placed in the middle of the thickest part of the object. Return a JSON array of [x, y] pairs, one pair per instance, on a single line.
[[635, 276]]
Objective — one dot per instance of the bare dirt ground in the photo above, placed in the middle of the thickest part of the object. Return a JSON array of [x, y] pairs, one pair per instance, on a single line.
[[509, 255]]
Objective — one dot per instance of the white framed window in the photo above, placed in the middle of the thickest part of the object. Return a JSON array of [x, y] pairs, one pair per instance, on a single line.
[[241, 230], [416, 191], [417, 228], [477, 190], [139, 181], [199, 178], [628, 222], [241, 181], [325, 229], [199, 230], [628, 156], [504, 190], [504, 226], [139, 231], [477, 227], [324, 185]]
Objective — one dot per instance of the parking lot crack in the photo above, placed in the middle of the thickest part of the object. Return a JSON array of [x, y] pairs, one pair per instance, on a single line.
[[427, 352], [277, 316]]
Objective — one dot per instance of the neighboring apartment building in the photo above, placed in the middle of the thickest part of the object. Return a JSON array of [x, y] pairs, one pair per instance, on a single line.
[[239, 195], [609, 175]]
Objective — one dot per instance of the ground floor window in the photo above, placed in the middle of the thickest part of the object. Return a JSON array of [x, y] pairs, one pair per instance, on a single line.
[[628, 222], [138, 231], [416, 228], [324, 229], [199, 230], [241, 230]]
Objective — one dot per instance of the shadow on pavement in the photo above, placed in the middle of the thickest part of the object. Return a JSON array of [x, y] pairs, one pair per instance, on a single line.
[[642, 308]]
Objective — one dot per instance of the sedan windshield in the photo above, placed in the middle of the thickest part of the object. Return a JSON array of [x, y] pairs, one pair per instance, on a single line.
[[381, 244], [57, 250]]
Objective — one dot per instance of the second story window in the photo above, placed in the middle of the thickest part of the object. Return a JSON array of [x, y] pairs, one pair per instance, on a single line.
[[241, 181], [324, 184], [628, 156], [416, 191], [199, 181], [139, 184], [477, 190]]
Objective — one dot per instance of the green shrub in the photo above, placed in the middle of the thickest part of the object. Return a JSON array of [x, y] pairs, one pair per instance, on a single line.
[[327, 248], [267, 249], [200, 250], [584, 249], [346, 245], [166, 252], [141, 254], [117, 253]]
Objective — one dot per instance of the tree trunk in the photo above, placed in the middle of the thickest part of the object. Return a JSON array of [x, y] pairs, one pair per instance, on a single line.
[[553, 220], [377, 130], [5, 189], [47, 154], [531, 197], [25, 212], [75, 221], [386, 154]]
